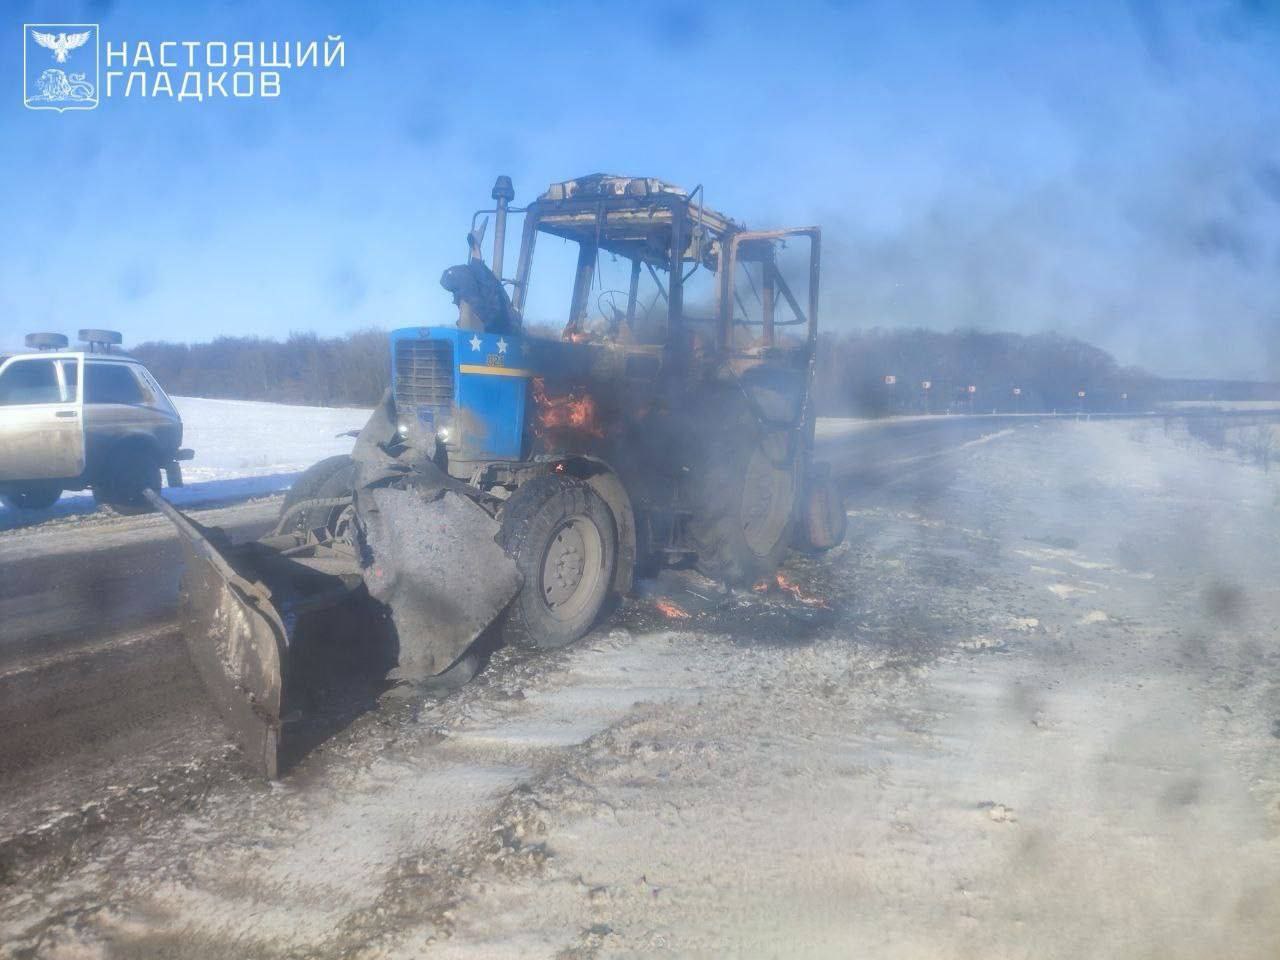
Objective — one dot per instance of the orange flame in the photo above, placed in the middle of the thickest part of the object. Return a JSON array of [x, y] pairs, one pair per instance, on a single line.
[[795, 591], [670, 610], [570, 412]]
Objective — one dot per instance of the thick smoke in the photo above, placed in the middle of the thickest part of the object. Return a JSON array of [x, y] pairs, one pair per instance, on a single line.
[[1159, 240]]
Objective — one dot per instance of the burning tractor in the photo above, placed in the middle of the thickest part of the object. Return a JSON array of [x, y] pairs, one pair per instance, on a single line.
[[523, 482]]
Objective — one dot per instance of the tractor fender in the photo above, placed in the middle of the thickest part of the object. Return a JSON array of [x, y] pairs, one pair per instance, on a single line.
[[605, 481]]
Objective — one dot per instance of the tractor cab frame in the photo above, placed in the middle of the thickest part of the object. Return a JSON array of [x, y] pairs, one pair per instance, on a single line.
[[669, 234], [749, 328]]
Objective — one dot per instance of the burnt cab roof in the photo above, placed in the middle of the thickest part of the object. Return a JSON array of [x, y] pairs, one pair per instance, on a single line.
[[629, 216]]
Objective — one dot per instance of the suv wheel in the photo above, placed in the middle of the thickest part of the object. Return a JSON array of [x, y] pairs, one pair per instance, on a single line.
[[130, 470], [33, 496]]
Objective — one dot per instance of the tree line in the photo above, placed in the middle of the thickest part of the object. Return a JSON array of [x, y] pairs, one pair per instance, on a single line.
[[860, 373], [350, 371], [883, 371]]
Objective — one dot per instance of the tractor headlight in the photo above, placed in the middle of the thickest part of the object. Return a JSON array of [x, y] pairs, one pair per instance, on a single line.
[[402, 429], [443, 434]]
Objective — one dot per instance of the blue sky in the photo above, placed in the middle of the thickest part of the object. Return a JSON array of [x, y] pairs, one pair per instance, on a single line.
[[1110, 171]]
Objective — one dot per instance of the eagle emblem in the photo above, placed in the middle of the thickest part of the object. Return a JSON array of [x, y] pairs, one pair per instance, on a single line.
[[70, 82], [61, 43]]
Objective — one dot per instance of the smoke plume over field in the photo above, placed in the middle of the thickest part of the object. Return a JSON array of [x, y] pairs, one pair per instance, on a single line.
[[1108, 171]]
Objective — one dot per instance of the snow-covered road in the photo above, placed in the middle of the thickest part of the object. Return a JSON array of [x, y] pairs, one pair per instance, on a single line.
[[1037, 718]]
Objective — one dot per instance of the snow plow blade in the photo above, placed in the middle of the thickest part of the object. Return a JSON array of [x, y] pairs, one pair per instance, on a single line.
[[238, 638], [387, 582], [289, 631]]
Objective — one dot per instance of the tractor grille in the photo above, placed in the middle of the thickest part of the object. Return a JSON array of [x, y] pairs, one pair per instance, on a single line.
[[424, 373]]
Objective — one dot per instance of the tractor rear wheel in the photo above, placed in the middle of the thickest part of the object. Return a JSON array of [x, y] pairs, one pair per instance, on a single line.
[[823, 521], [745, 507], [564, 541]]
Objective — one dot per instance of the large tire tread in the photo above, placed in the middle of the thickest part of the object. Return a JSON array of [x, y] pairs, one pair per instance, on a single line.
[[309, 482], [531, 515], [716, 526], [331, 477]]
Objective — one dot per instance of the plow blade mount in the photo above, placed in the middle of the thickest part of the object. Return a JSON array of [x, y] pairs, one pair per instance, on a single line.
[[238, 629]]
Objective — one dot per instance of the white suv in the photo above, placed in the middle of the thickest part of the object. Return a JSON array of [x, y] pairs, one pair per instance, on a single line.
[[72, 420]]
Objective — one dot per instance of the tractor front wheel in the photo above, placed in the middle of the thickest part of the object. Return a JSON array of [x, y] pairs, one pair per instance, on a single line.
[[563, 539], [331, 478]]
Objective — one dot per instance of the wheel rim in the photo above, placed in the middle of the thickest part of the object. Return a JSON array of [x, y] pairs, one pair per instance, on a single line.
[[767, 495], [571, 568]]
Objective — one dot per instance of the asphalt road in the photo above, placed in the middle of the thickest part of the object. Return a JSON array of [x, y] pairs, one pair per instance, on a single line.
[[94, 677], [96, 688]]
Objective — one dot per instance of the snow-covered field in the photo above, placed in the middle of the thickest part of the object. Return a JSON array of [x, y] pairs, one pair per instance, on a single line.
[[238, 439], [246, 448]]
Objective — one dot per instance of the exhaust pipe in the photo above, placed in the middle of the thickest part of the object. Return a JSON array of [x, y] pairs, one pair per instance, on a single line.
[[503, 193]]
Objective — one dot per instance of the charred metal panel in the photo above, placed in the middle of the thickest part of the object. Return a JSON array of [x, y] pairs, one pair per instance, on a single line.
[[439, 570]]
